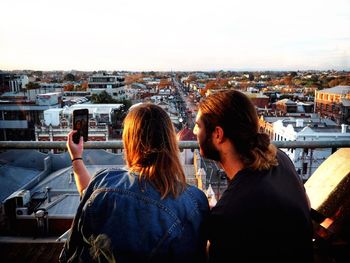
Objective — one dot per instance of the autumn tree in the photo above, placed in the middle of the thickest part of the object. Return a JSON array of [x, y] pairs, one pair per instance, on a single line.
[[342, 81], [134, 78], [68, 87], [211, 85], [191, 78], [164, 83], [222, 83], [345, 82], [32, 85], [84, 85], [288, 80]]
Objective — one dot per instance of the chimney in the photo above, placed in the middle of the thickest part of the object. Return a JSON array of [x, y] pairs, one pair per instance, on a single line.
[[299, 123], [344, 128]]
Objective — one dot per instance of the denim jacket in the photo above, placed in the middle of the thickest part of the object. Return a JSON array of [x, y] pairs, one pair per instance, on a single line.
[[122, 218]]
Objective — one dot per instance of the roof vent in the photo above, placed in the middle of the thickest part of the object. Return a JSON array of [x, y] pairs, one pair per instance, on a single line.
[[344, 128], [299, 123]]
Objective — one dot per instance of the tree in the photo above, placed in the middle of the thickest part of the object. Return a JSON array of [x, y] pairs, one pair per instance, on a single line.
[[129, 79], [191, 78], [102, 97], [127, 104], [288, 80], [105, 97], [79, 88], [38, 73], [32, 85], [68, 87], [164, 83], [84, 85], [69, 77], [212, 84], [293, 74]]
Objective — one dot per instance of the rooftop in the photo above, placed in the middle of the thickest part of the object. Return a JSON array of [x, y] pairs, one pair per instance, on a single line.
[[337, 90], [56, 193]]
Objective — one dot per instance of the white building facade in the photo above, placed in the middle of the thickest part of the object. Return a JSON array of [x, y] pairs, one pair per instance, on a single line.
[[113, 85], [307, 160]]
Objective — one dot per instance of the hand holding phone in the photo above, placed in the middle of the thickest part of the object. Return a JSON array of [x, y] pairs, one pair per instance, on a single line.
[[80, 124]]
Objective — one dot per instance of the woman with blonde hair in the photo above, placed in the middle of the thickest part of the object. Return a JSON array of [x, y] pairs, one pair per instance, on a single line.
[[146, 213]]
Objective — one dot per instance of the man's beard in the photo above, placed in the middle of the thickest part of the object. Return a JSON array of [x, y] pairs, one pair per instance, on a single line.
[[208, 149]]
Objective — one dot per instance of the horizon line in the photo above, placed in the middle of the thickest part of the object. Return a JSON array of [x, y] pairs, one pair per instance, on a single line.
[[212, 70]]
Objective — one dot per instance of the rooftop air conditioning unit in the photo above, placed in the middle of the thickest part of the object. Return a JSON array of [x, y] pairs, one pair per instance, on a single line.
[[19, 199], [22, 197], [21, 211]]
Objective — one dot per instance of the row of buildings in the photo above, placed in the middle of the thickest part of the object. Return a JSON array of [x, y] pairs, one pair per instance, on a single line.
[[24, 113], [326, 118], [44, 201]]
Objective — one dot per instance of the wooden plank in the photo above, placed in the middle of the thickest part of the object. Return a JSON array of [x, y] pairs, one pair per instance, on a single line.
[[329, 185]]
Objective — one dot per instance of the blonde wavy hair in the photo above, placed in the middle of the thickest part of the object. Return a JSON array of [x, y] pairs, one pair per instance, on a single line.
[[151, 148]]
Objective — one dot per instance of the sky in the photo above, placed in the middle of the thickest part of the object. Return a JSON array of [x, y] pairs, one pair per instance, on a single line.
[[181, 35]]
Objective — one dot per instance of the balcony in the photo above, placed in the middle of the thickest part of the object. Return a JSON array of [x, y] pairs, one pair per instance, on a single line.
[[45, 218]]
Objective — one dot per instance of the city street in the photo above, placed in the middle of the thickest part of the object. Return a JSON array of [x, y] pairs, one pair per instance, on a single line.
[[191, 108]]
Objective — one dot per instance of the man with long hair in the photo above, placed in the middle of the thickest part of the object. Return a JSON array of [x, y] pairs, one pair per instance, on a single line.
[[146, 213], [263, 215]]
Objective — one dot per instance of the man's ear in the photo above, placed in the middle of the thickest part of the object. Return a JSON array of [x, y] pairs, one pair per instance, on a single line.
[[218, 134]]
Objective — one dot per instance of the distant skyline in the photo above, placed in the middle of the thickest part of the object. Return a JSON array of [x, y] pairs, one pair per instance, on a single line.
[[182, 35]]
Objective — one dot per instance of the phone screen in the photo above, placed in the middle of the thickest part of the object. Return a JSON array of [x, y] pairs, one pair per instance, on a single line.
[[80, 124]]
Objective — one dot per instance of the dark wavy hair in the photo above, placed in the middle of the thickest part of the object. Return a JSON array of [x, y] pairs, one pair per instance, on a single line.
[[151, 148], [234, 112]]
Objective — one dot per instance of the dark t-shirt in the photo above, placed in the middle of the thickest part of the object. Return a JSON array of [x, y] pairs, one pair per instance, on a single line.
[[263, 216]]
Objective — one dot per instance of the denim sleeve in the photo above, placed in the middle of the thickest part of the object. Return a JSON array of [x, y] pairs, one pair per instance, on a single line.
[[73, 247]]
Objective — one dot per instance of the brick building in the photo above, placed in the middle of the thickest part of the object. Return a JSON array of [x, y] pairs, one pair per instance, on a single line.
[[334, 103]]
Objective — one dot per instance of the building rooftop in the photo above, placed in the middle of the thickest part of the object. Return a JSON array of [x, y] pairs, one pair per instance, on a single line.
[[56, 194], [27, 107], [26, 168], [345, 102], [100, 108], [286, 101], [312, 120], [337, 90]]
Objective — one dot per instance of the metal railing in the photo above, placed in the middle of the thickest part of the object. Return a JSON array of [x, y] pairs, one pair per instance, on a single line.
[[182, 144]]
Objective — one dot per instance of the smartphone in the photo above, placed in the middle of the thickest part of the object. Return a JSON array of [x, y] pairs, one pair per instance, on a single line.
[[80, 124]]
